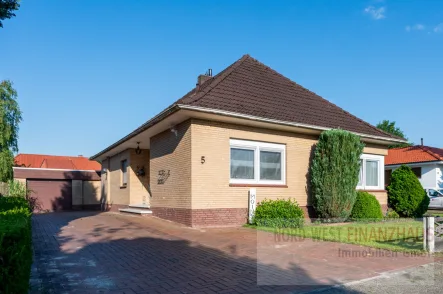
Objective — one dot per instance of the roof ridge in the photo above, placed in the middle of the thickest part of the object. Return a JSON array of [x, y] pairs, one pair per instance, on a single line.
[[217, 79], [426, 149], [327, 101]]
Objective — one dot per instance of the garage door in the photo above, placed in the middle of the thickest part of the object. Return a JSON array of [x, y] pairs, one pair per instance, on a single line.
[[52, 195]]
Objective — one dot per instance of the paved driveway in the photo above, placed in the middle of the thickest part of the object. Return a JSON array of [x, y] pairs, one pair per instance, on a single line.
[[105, 252]]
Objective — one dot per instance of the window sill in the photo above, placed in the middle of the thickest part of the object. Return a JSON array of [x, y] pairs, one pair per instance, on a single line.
[[372, 190], [123, 187], [259, 185]]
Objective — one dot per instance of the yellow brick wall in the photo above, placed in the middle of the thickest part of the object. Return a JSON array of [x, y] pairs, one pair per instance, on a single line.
[[118, 194], [139, 184], [171, 153], [382, 196], [210, 181], [105, 184], [91, 192]]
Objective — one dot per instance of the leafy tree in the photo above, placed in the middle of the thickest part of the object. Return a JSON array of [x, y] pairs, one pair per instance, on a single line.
[[10, 117], [405, 193], [389, 127], [7, 8], [334, 174]]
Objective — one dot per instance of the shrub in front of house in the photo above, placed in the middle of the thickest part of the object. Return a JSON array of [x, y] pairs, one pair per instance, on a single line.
[[366, 208], [15, 245], [280, 213], [391, 214], [405, 193], [334, 174]]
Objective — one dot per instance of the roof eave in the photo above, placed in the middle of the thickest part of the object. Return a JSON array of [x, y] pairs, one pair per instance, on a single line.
[[294, 124], [168, 111]]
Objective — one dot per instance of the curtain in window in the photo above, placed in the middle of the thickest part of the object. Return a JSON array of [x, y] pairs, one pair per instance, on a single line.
[[242, 163], [270, 165], [371, 173]]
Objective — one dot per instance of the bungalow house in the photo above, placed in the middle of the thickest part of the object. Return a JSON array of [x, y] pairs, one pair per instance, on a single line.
[[426, 162], [247, 126]]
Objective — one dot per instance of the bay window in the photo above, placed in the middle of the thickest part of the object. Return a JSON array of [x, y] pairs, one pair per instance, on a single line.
[[257, 162], [371, 175]]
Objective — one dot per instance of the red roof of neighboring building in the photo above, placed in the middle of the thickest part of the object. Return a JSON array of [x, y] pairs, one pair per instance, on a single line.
[[58, 162], [413, 154]]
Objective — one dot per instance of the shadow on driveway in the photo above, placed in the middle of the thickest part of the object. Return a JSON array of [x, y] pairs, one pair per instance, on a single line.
[[89, 253]]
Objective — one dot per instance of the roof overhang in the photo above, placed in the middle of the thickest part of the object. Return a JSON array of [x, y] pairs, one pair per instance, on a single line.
[[414, 164], [178, 113]]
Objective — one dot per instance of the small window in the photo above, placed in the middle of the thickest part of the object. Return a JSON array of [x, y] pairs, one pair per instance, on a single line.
[[124, 171], [257, 162], [417, 171], [388, 174]]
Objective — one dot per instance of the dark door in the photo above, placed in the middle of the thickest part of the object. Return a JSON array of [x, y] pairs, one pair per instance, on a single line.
[[52, 195]]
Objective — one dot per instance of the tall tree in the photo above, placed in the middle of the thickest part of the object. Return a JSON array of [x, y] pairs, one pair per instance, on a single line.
[[7, 8], [389, 127], [10, 117]]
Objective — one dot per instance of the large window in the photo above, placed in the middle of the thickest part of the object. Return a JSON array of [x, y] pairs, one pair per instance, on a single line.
[[371, 172], [257, 162]]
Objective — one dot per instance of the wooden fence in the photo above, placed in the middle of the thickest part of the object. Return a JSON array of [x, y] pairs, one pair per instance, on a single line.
[[3, 188]]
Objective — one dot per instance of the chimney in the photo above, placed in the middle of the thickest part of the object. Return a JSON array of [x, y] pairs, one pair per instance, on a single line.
[[421, 141], [203, 78]]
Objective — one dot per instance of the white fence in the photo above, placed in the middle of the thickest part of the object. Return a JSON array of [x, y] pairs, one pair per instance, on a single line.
[[433, 234]]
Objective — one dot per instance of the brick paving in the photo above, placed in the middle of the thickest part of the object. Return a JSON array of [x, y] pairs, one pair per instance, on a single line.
[[87, 252]]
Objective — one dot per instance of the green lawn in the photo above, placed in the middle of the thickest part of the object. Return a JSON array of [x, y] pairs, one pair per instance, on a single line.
[[402, 235]]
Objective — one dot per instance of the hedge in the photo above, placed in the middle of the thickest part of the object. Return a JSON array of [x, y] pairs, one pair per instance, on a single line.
[[15, 245], [366, 208], [280, 213]]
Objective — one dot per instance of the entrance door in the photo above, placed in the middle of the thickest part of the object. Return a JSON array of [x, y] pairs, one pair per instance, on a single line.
[[52, 195]]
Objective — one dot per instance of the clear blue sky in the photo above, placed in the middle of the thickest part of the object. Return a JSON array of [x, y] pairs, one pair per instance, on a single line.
[[89, 72]]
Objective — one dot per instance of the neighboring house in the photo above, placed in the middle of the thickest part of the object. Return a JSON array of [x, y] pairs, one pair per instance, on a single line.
[[247, 127], [60, 182], [426, 162]]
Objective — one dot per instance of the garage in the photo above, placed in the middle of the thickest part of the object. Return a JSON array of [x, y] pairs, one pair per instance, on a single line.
[[52, 195]]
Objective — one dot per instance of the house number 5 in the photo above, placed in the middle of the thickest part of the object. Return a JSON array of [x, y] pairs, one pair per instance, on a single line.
[[203, 160]]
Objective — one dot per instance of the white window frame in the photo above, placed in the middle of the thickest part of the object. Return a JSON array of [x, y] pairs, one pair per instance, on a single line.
[[257, 147], [381, 172]]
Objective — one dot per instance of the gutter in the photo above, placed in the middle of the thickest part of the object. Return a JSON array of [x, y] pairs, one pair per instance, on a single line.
[[418, 163], [175, 107]]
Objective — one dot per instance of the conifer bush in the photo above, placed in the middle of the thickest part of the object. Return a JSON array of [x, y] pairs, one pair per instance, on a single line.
[[366, 208], [334, 174], [405, 193]]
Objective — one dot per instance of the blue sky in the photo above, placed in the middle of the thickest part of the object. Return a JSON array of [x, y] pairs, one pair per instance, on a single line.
[[80, 67]]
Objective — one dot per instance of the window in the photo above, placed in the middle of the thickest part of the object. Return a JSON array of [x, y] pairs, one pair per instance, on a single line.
[[417, 171], [124, 171], [257, 162], [371, 176]]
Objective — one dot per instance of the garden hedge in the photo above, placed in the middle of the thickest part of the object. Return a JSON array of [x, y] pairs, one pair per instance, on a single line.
[[366, 208], [15, 245], [280, 213]]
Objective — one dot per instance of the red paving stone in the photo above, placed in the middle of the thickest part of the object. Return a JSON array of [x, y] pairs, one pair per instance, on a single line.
[[88, 252]]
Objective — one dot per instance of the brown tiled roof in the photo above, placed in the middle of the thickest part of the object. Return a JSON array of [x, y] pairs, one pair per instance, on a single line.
[[413, 154], [250, 87], [57, 162]]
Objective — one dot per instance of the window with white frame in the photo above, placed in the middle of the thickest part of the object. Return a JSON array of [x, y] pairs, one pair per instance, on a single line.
[[371, 175], [257, 162]]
